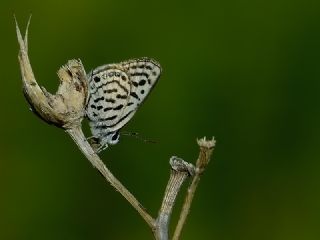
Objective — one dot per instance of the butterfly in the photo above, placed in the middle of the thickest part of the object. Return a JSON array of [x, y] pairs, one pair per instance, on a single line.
[[115, 93]]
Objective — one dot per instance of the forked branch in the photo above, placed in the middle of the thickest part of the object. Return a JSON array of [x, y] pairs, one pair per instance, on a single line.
[[206, 148], [66, 110]]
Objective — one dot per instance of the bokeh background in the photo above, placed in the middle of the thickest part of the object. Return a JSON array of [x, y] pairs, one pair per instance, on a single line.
[[246, 72]]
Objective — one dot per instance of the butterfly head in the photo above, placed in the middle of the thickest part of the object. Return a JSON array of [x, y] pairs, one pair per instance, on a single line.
[[102, 142]]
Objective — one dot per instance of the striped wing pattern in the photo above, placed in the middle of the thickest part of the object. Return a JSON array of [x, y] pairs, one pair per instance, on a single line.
[[116, 92]]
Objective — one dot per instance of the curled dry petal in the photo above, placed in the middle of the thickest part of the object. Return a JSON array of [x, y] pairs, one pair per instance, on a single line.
[[64, 109]]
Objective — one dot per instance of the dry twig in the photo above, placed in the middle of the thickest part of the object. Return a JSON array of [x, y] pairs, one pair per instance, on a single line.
[[66, 110], [206, 148]]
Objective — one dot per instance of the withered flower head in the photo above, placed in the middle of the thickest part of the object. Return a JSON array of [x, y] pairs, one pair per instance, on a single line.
[[64, 109]]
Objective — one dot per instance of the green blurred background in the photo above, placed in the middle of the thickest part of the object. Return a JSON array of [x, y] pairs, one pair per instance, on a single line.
[[246, 72]]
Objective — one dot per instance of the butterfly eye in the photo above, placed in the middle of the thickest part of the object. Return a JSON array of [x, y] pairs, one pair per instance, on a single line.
[[115, 137]]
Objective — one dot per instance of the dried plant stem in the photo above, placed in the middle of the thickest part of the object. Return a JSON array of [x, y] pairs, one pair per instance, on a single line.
[[180, 170], [66, 110], [206, 148], [78, 136], [186, 207]]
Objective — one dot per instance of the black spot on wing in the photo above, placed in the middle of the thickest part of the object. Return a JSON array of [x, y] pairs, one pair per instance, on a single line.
[[109, 118], [133, 94], [142, 82], [118, 107], [121, 119], [119, 96], [109, 82], [110, 90], [96, 79], [110, 100], [140, 74], [110, 126], [98, 99]]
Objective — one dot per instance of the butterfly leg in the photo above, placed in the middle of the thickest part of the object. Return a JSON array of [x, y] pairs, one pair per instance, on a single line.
[[101, 148], [91, 137], [95, 144]]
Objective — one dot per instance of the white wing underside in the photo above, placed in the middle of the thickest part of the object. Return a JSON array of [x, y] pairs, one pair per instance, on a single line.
[[116, 91]]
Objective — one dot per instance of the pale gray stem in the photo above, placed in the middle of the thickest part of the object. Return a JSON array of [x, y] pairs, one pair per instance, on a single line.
[[179, 172], [78, 136], [206, 148]]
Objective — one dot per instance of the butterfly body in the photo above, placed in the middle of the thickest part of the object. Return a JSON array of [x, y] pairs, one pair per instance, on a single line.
[[115, 93]]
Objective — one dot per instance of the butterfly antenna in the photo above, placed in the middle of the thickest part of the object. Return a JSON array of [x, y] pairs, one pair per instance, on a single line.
[[137, 136]]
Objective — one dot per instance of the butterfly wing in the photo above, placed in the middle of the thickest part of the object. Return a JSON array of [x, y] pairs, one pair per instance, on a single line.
[[109, 93], [143, 75], [116, 92]]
